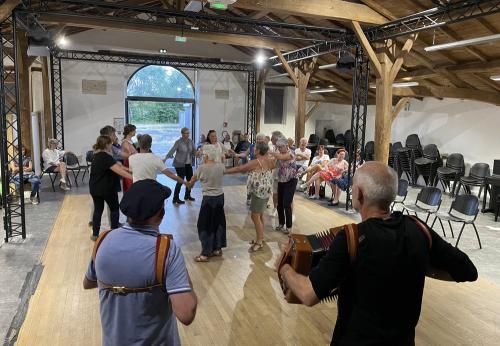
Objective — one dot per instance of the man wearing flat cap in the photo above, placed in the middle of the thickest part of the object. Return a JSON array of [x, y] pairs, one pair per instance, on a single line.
[[135, 308]]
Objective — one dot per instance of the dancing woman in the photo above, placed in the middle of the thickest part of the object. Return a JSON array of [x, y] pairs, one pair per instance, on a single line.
[[128, 149], [260, 188], [211, 220]]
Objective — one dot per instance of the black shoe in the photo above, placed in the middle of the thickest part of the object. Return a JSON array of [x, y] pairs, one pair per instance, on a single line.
[[189, 199], [178, 201], [333, 204]]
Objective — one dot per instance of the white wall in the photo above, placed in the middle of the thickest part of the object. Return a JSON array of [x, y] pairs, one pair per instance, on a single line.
[[85, 114]]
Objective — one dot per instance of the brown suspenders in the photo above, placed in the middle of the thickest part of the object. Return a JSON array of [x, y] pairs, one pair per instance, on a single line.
[[162, 249]]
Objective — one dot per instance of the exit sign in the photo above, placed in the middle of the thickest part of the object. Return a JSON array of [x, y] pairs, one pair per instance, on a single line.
[[218, 6], [180, 39]]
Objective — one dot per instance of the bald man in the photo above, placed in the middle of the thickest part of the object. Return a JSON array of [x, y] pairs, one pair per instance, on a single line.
[[380, 294]]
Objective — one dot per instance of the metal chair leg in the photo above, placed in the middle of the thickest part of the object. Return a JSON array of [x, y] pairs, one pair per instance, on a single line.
[[433, 222], [442, 227], [477, 235], [451, 229], [427, 218], [461, 230]]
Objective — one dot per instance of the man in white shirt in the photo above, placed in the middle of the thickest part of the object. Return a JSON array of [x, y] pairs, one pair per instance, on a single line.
[[303, 155], [52, 160], [146, 165]]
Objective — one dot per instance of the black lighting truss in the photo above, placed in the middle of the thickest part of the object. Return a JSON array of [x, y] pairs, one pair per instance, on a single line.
[[183, 21], [450, 13], [126, 58], [10, 128], [360, 87]]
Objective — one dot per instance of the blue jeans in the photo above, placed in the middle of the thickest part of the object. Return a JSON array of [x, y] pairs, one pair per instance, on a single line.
[[33, 179]]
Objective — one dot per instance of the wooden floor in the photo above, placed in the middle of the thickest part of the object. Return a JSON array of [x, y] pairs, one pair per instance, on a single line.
[[240, 301]]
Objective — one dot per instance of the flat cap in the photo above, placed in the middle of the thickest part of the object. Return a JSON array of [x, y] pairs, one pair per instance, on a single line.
[[144, 199]]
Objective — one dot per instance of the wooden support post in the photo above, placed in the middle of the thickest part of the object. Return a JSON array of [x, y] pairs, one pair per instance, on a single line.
[[399, 107], [311, 110], [303, 77], [386, 66], [47, 112], [24, 89], [258, 99]]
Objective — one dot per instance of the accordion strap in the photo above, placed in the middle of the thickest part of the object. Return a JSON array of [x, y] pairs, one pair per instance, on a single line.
[[351, 232]]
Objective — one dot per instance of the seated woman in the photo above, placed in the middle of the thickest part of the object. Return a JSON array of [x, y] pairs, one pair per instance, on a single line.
[[28, 174], [333, 171], [318, 163]]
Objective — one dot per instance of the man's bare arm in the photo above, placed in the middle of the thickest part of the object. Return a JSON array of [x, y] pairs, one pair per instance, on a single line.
[[300, 285]]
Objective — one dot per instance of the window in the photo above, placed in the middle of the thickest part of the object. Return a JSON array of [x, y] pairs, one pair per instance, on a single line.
[[273, 110], [160, 101]]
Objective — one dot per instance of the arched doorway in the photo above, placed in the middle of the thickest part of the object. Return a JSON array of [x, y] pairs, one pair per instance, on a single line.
[[160, 101]]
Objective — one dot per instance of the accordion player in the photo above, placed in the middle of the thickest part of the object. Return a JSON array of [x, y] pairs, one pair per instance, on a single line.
[[303, 252]]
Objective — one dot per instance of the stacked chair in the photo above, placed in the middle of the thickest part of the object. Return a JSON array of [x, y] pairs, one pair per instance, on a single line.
[[405, 164], [340, 140], [348, 140], [393, 157], [413, 143], [370, 151], [477, 174], [452, 172], [401, 195], [428, 201], [313, 139], [427, 165], [330, 135], [464, 209]]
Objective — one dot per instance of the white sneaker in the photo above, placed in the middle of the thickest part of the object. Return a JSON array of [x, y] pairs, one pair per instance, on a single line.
[[34, 200], [287, 230], [280, 228], [313, 197], [303, 186], [275, 212], [65, 186]]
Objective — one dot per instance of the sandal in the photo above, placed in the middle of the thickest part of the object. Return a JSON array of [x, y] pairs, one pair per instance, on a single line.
[[251, 242], [201, 258], [255, 247], [216, 253]]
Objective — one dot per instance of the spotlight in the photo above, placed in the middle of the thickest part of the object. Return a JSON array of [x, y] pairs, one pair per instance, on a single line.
[[163, 51], [62, 41], [260, 59]]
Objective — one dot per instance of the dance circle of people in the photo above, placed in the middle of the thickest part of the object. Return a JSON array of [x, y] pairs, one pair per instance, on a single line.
[[141, 273]]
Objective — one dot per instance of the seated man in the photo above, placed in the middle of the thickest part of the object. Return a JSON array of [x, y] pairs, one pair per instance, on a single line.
[[303, 155], [53, 161], [379, 289], [242, 147], [135, 308], [28, 174], [146, 165]]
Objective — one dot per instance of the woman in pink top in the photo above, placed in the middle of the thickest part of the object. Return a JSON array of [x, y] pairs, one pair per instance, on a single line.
[[334, 170], [128, 149]]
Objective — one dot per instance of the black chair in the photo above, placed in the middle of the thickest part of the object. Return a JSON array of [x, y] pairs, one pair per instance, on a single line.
[[340, 140], [348, 140], [88, 159], [370, 151], [428, 201], [393, 157], [404, 163], [324, 141], [477, 174], [454, 169], [427, 165], [468, 207], [52, 175], [497, 209], [73, 166], [413, 142], [330, 135], [401, 195], [313, 139]]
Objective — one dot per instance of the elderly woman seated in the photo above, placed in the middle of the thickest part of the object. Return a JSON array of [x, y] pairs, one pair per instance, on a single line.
[[318, 163], [331, 173]]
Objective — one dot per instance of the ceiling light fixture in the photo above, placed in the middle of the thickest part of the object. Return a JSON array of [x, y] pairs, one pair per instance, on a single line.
[[326, 67], [281, 75], [62, 41], [405, 84], [163, 51], [495, 78], [194, 6], [319, 91], [260, 59], [464, 43]]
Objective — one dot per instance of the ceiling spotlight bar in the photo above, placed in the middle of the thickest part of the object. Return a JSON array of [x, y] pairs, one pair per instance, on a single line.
[[320, 91], [495, 78], [463, 43], [326, 67]]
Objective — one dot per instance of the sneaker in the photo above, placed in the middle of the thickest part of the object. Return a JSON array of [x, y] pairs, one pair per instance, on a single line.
[[90, 223], [313, 197], [303, 187], [189, 199], [178, 201], [287, 230], [34, 200], [275, 212], [93, 237], [65, 187], [280, 228]]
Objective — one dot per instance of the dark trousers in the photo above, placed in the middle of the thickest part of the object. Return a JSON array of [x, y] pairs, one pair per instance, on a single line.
[[185, 172], [286, 192], [114, 207]]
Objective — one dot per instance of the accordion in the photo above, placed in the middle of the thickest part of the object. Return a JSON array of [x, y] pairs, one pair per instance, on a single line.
[[303, 252]]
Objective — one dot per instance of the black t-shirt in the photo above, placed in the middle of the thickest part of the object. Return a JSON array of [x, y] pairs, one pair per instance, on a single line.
[[380, 296], [103, 181]]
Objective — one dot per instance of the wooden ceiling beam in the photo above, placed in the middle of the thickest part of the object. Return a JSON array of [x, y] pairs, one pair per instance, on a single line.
[[448, 92], [230, 39], [7, 7], [332, 9]]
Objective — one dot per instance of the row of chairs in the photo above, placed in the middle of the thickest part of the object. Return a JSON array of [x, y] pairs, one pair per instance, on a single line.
[[341, 139], [72, 165], [464, 208]]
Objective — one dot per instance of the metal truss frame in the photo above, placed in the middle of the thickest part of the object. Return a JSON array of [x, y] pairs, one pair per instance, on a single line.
[[360, 87], [181, 20], [427, 20], [126, 58], [10, 129]]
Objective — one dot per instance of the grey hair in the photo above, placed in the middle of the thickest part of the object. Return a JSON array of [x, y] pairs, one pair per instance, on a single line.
[[260, 137], [378, 182], [210, 151], [303, 139], [277, 134], [281, 141], [262, 147], [53, 141]]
